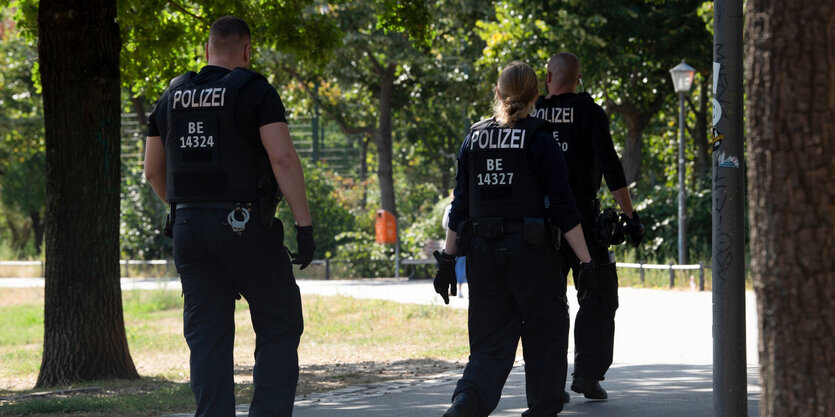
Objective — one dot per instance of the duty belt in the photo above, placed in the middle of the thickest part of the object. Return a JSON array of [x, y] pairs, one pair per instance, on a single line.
[[489, 227], [238, 212], [211, 205]]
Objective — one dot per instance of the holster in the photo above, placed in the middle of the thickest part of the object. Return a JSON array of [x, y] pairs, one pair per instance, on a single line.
[[168, 229], [464, 233], [533, 230], [556, 234], [269, 195]]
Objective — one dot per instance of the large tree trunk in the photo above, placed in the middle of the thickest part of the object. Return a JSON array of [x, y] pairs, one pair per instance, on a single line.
[[382, 136], [84, 333], [635, 124], [790, 73]]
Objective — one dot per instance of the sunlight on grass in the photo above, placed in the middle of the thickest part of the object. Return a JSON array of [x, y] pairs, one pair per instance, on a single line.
[[338, 330]]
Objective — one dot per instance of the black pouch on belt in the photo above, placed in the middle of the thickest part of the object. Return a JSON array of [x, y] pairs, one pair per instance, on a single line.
[[168, 229], [488, 227], [462, 237], [534, 230]]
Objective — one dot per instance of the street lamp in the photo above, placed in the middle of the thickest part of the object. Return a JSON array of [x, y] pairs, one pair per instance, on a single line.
[[682, 80]]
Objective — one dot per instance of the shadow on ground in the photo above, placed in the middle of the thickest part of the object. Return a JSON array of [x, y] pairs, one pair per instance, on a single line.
[[328, 377], [634, 391]]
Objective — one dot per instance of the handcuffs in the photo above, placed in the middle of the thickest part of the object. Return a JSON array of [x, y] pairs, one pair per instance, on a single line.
[[238, 226]]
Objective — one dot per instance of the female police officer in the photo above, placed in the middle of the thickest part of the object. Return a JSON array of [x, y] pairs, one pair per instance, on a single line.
[[507, 166]]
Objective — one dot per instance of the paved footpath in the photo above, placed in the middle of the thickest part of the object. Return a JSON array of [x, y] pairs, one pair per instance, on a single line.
[[663, 358]]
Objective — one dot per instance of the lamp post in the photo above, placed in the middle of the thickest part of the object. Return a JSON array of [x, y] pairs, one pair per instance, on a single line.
[[682, 80]]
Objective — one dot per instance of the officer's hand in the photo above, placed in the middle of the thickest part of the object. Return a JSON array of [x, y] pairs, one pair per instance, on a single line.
[[634, 228], [445, 282], [304, 245], [586, 284]]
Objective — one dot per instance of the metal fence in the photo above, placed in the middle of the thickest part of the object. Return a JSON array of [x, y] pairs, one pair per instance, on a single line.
[[672, 268], [324, 269]]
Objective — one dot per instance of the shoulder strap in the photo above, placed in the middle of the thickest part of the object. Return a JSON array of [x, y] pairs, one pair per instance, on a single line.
[[181, 79], [239, 77], [482, 124]]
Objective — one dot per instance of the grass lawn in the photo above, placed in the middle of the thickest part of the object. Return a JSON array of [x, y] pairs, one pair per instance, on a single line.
[[346, 341]]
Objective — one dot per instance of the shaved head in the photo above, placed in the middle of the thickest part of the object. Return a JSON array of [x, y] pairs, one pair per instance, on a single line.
[[228, 36], [564, 70]]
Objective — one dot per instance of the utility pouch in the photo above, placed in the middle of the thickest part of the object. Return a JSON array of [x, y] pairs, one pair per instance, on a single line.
[[269, 195], [604, 226], [488, 227], [556, 234], [168, 229], [463, 235], [534, 230]]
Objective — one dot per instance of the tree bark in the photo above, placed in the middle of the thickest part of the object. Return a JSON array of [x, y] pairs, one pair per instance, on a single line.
[[382, 136], [139, 111], [84, 333], [790, 73], [635, 124]]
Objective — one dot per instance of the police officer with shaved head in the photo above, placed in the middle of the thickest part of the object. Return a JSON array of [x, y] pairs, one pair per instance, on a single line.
[[581, 129], [507, 165], [219, 152]]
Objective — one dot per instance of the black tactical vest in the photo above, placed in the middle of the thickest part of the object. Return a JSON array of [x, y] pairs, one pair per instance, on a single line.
[[564, 113], [502, 181], [207, 159]]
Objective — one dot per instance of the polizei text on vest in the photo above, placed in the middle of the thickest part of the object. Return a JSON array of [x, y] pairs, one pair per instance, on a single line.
[[194, 98], [498, 139]]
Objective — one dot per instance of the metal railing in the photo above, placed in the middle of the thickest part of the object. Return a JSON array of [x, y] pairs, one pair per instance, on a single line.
[[671, 267], [327, 264]]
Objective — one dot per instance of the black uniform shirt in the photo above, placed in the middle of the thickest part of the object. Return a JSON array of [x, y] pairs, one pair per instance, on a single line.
[[548, 163], [589, 152], [258, 104]]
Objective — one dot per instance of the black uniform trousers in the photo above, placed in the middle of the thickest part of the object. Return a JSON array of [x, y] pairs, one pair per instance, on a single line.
[[514, 293], [594, 326], [215, 266]]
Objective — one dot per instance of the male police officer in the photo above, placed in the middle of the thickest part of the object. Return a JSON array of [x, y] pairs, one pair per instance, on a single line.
[[218, 146], [506, 167], [582, 132]]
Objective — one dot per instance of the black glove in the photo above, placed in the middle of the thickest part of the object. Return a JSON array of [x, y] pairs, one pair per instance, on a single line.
[[304, 245], [445, 282], [634, 228], [586, 284]]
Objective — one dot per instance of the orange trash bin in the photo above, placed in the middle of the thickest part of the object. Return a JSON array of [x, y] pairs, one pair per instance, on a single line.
[[385, 227]]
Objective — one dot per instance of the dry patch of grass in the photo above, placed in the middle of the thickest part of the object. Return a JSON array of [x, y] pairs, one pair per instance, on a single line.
[[346, 342]]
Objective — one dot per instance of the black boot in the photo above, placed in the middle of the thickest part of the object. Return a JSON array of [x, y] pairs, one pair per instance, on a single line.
[[591, 389], [462, 406]]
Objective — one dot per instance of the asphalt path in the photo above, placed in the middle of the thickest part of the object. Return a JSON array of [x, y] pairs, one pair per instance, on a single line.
[[662, 367]]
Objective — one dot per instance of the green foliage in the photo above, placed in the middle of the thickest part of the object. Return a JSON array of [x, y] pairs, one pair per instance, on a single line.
[[24, 183], [327, 210], [445, 57], [142, 216], [22, 158], [659, 213], [412, 17]]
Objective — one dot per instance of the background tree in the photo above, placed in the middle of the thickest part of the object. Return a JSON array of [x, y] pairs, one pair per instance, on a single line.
[[626, 49], [84, 332], [790, 86], [22, 172]]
